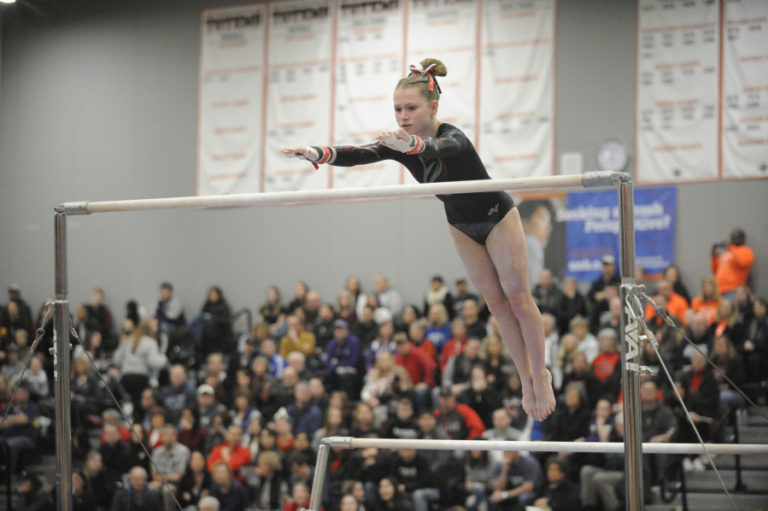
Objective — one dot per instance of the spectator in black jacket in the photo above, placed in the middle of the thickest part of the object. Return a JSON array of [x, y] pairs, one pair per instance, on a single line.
[[559, 494], [137, 496]]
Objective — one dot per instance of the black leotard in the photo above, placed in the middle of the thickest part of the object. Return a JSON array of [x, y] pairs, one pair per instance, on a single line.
[[448, 157]]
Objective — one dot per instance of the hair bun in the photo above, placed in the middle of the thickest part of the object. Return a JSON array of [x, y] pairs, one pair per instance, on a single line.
[[438, 70]]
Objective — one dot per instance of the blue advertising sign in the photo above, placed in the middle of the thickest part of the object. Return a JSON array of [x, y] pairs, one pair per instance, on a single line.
[[592, 230]]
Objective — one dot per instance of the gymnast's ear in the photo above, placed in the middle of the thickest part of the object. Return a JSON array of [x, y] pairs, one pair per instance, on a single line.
[[435, 103]]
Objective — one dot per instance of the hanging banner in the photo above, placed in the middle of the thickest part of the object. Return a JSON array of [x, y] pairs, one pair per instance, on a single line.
[[447, 30], [230, 104], [592, 230], [677, 90], [517, 87], [299, 91], [370, 62], [745, 89]]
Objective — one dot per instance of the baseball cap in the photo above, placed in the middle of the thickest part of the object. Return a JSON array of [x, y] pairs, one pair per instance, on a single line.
[[608, 259], [205, 389], [340, 323]]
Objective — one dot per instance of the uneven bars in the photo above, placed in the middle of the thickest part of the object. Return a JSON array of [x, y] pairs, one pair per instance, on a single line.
[[587, 180], [539, 446]]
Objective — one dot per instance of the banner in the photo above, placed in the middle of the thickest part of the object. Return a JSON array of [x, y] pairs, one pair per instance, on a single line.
[[677, 90], [516, 101], [745, 89], [447, 30], [592, 230], [230, 106], [370, 62], [299, 99]]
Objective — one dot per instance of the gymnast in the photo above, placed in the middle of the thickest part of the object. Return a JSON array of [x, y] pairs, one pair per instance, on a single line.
[[486, 227]]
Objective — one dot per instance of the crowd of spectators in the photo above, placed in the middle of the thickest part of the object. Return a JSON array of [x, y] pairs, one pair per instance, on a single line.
[[221, 420]]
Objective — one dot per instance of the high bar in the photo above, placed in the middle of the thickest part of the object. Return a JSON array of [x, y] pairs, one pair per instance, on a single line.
[[540, 446], [588, 179]]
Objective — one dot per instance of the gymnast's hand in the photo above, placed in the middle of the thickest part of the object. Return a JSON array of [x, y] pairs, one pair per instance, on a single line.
[[399, 140], [303, 152]]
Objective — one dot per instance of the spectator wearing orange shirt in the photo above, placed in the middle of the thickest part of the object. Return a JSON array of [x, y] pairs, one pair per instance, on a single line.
[[731, 264], [676, 304], [706, 302], [231, 452]]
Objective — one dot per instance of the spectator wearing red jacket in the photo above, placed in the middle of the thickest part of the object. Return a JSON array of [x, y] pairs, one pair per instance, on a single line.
[[731, 265], [457, 421], [420, 367], [231, 452]]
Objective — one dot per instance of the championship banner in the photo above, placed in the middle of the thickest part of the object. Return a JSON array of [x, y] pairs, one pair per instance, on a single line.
[[369, 64], [517, 87], [592, 230], [299, 93], [230, 107], [447, 30], [745, 89], [677, 90]]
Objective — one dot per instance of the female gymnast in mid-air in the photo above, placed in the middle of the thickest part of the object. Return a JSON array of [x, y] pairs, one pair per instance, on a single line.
[[486, 227]]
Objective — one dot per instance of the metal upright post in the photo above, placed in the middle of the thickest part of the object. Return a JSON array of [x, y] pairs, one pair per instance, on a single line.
[[321, 467], [630, 354], [61, 351]]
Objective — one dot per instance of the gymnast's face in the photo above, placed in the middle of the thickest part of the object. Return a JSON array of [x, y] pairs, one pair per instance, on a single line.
[[413, 112]]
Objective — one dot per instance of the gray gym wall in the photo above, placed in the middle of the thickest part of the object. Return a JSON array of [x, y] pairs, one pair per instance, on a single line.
[[98, 101]]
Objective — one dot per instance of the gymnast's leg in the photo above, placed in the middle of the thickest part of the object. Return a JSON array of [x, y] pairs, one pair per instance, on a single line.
[[506, 247], [483, 274]]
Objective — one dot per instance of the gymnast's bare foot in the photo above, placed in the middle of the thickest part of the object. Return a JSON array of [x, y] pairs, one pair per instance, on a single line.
[[529, 398], [545, 397]]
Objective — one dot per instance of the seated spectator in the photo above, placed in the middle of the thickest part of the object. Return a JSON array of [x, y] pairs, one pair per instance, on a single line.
[[389, 297], [438, 294], [32, 493], [345, 307], [420, 368], [195, 482], [114, 454], [603, 289], [323, 328], [363, 421], [389, 498], [479, 478], [169, 310], [607, 365], [344, 359], [97, 482], [382, 343], [350, 503], [546, 293], [385, 381], [572, 303], [13, 366], [366, 328], [272, 310], [242, 412], [208, 407], [417, 334], [300, 290], [232, 453], [512, 401], [178, 394], [755, 347], [285, 390], [269, 485], [439, 327], [455, 344], [558, 494], [570, 423], [676, 305], [729, 366], [701, 394], [18, 431], [583, 376], [659, 425], [138, 494], [728, 323], [475, 325], [479, 396], [297, 338], [232, 496], [672, 275], [706, 302], [458, 421], [334, 426], [612, 318], [299, 498], [212, 328], [305, 416], [569, 346], [137, 448], [587, 343], [518, 477], [137, 356], [496, 361], [170, 462], [459, 368], [502, 430], [281, 424], [403, 425]]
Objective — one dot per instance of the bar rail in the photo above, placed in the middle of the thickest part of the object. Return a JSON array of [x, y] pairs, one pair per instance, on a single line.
[[586, 180]]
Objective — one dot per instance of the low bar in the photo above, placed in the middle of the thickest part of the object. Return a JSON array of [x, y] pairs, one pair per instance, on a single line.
[[589, 179], [540, 446]]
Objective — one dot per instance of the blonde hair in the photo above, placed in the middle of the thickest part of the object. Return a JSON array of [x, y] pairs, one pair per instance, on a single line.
[[422, 80]]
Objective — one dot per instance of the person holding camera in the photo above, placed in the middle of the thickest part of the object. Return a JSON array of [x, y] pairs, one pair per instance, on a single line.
[[731, 263]]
